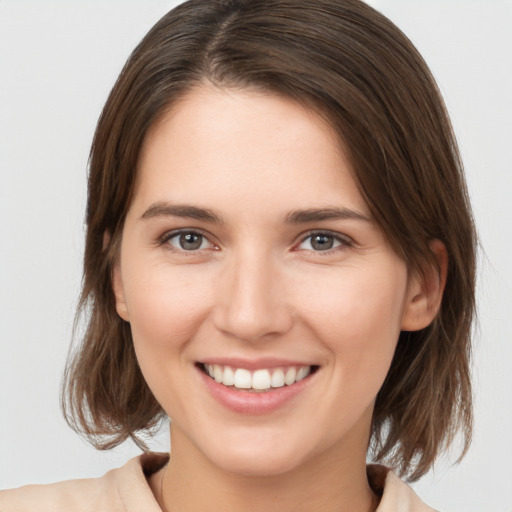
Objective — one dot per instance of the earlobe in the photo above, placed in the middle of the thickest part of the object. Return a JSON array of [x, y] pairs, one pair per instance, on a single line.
[[426, 291]]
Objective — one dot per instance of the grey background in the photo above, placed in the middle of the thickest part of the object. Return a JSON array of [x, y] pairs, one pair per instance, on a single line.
[[58, 61]]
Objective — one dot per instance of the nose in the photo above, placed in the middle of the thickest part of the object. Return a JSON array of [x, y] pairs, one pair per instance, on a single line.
[[251, 301]]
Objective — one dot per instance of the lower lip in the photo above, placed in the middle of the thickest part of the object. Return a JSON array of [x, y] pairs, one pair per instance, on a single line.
[[248, 402]]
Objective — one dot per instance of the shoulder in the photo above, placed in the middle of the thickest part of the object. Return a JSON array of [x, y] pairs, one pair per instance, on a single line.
[[120, 490], [396, 495]]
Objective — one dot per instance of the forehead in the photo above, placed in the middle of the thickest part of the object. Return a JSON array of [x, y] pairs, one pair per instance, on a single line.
[[215, 144]]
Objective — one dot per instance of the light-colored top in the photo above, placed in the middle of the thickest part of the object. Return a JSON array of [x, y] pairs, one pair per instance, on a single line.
[[126, 490]]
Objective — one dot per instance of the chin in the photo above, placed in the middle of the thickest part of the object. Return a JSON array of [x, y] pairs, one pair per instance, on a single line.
[[256, 459], [261, 465]]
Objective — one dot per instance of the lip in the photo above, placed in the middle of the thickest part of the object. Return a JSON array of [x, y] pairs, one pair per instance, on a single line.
[[255, 364], [250, 402]]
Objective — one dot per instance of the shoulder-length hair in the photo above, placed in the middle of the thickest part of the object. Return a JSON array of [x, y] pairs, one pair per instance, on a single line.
[[360, 72]]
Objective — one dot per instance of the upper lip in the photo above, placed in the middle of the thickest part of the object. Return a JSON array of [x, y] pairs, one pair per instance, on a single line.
[[254, 364]]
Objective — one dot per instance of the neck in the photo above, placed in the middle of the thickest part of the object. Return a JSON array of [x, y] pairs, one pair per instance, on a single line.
[[329, 482]]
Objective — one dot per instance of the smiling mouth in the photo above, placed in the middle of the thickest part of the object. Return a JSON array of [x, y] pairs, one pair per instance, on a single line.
[[261, 380]]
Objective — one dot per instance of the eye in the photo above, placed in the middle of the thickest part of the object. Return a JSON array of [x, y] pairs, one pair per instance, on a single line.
[[188, 241], [322, 241]]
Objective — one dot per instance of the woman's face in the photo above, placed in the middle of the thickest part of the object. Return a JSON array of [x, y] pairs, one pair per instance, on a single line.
[[249, 253]]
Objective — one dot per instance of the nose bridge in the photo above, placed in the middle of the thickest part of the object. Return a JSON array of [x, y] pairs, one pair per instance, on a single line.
[[252, 301]]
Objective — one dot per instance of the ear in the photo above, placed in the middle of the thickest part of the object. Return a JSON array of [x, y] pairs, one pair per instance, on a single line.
[[426, 291], [117, 286], [117, 282]]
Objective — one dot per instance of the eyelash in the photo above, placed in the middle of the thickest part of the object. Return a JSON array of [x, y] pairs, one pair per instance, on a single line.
[[343, 241], [164, 240]]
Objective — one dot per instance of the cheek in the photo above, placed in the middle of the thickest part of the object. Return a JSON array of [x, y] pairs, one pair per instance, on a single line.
[[166, 305], [353, 303], [357, 314]]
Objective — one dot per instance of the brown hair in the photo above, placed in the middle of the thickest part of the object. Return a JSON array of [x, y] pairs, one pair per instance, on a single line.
[[360, 72]]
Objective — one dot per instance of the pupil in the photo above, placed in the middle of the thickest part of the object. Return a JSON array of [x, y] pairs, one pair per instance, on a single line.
[[190, 241], [322, 242]]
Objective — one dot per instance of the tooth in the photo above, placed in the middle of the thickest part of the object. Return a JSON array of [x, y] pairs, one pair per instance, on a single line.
[[228, 378], [277, 380], [302, 373], [217, 373], [242, 379], [261, 379], [290, 376]]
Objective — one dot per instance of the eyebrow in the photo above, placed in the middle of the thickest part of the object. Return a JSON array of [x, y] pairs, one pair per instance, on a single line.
[[162, 209], [320, 214]]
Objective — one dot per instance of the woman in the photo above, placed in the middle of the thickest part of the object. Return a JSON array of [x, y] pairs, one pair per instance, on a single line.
[[279, 257]]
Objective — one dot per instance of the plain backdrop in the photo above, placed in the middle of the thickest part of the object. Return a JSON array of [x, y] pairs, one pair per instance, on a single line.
[[58, 61]]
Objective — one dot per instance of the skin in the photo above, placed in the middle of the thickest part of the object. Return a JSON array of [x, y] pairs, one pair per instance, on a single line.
[[257, 287]]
